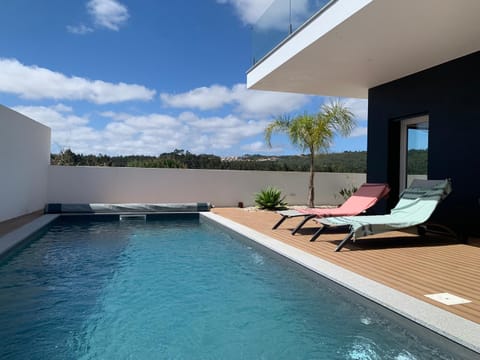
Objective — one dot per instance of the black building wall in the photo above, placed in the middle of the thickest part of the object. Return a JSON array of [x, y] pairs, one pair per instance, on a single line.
[[450, 95]]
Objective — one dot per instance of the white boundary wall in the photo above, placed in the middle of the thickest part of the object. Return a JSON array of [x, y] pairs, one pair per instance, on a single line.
[[28, 182], [24, 159], [220, 187]]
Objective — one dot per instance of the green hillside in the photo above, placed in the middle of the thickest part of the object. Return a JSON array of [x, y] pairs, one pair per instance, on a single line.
[[349, 162]]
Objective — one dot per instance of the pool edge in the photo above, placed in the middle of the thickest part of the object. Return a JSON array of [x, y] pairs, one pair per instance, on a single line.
[[442, 322], [11, 240]]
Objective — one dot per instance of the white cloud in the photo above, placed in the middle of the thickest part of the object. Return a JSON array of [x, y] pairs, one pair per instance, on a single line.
[[143, 121], [68, 129], [57, 117], [33, 82], [249, 103], [248, 10], [279, 16], [359, 131], [203, 98], [259, 147], [266, 103], [109, 14], [211, 133], [81, 29], [149, 134], [359, 108]]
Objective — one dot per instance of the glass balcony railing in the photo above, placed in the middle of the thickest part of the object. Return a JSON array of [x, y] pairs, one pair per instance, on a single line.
[[279, 21]]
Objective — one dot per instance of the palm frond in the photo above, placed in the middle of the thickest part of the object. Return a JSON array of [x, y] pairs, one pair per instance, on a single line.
[[340, 118], [280, 125]]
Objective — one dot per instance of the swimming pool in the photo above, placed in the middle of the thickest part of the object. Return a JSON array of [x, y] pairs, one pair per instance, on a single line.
[[178, 288]]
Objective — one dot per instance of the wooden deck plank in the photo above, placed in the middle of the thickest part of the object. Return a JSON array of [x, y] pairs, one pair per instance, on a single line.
[[401, 260]]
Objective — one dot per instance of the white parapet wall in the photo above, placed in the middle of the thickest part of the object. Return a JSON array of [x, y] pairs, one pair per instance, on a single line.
[[220, 187], [24, 159]]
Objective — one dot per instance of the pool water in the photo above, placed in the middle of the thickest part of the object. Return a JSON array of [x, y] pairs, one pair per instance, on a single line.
[[180, 290]]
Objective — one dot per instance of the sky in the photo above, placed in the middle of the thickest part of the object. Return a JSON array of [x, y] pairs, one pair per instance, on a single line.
[[122, 77]]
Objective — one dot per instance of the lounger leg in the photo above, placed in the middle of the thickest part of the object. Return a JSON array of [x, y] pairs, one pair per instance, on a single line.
[[284, 217], [318, 233], [348, 237], [305, 219]]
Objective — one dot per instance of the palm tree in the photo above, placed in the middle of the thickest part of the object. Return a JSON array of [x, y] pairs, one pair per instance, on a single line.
[[314, 132]]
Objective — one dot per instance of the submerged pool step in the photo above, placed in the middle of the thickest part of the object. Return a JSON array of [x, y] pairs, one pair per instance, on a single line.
[[133, 217]]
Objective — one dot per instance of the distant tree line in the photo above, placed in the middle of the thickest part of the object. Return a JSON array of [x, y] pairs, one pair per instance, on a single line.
[[346, 162], [417, 162]]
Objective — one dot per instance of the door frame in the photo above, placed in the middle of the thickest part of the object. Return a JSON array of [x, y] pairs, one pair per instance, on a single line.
[[404, 123]]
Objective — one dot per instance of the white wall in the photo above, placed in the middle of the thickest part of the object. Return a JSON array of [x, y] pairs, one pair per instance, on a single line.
[[28, 182], [220, 187], [24, 159]]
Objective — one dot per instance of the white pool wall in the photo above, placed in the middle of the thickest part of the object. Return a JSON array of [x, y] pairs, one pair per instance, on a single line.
[[24, 159]]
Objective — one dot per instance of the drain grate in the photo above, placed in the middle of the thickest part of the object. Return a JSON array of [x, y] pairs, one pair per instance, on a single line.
[[448, 299]]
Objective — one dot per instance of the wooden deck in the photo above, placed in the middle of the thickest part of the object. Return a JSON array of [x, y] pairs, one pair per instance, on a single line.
[[404, 261]]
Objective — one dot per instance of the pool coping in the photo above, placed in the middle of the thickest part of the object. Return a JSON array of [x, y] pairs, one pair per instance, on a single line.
[[449, 325], [16, 237]]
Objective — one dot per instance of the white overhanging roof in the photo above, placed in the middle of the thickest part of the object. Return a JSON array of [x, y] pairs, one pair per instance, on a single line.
[[355, 45]]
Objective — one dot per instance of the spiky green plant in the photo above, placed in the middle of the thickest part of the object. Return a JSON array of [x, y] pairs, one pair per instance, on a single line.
[[270, 198], [347, 192]]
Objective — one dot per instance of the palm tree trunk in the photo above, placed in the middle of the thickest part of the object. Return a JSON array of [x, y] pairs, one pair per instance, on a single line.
[[311, 189]]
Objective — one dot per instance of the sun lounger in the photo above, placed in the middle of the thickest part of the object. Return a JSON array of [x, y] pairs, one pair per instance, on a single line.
[[414, 208], [365, 197]]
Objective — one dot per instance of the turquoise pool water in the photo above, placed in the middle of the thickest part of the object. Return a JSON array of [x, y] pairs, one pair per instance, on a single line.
[[180, 290]]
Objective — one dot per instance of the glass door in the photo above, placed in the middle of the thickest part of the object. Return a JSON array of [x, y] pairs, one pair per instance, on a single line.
[[414, 150]]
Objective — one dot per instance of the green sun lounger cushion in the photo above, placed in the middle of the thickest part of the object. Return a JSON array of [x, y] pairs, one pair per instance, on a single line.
[[415, 207]]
